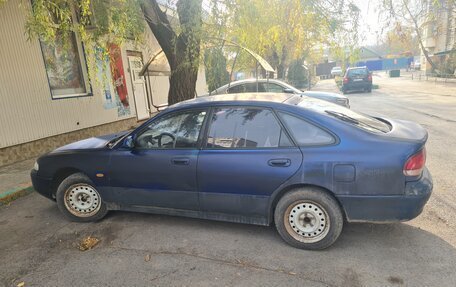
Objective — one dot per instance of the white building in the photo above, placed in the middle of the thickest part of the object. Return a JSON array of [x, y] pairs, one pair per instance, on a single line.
[[47, 100]]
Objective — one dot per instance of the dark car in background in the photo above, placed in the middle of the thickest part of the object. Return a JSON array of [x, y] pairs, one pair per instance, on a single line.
[[276, 86], [357, 79], [303, 164]]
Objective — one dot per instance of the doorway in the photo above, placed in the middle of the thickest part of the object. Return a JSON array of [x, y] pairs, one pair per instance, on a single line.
[[135, 64]]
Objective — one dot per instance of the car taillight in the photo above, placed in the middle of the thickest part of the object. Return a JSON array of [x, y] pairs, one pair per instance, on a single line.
[[345, 80], [415, 164], [369, 77]]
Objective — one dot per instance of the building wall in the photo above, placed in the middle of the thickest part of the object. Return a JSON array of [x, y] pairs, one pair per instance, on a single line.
[[27, 111], [38, 147]]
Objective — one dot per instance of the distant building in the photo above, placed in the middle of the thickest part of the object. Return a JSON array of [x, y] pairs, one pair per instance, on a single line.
[[439, 38], [48, 100]]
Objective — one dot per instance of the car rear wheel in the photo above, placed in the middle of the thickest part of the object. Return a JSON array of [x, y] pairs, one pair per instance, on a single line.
[[308, 218], [78, 199]]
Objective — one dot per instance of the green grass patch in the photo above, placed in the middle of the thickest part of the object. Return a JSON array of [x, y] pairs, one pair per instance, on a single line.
[[15, 195]]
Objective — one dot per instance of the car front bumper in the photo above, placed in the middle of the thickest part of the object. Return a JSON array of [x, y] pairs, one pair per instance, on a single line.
[[389, 208], [42, 185]]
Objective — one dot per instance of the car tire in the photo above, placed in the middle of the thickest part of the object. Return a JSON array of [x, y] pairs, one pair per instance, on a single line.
[[369, 90], [308, 218], [78, 199]]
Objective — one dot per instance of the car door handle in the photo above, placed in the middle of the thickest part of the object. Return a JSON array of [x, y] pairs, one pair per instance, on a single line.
[[180, 161], [280, 162]]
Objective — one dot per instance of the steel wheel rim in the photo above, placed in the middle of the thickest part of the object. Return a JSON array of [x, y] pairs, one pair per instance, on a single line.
[[82, 200], [307, 221]]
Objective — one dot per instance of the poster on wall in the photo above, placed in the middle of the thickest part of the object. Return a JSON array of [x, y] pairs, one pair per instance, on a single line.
[[118, 79], [110, 74], [105, 79]]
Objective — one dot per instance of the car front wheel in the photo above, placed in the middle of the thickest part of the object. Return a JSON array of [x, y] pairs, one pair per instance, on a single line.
[[78, 199], [308, 218]]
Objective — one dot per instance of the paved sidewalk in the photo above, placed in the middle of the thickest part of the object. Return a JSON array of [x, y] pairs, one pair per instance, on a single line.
[[15, 180]]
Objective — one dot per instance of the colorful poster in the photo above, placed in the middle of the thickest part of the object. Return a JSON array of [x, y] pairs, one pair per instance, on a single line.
[[118, 75], [112, 76], [104, 79]]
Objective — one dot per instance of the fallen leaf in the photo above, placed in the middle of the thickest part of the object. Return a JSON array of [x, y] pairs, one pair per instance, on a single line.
[[147, 258], [21, 284], [291, 273], [88, 243]]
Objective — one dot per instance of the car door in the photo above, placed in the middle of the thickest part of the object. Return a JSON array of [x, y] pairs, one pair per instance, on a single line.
[[160, 170], [246, 156]]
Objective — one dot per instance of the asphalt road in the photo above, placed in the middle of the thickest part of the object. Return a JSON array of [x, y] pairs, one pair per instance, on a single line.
[[39, 247]]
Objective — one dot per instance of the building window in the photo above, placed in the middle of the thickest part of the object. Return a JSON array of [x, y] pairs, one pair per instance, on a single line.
[[66, 67]]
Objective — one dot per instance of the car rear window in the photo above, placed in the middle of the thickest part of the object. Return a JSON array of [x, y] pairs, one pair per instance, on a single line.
[[357, 72], [359, 120]]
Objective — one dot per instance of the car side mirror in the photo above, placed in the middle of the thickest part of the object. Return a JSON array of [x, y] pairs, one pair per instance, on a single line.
[[129, 142], [288, 91]]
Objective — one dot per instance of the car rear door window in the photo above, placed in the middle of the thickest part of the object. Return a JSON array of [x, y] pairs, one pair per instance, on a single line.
[[242, 127], [175, 131], [306, 133]]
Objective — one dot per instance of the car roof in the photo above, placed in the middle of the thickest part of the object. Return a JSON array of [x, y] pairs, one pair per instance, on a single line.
[[233, 98], [247, 81], [354, 68]]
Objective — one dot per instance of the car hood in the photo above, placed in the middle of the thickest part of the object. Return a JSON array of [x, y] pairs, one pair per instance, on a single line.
[[90, 143]]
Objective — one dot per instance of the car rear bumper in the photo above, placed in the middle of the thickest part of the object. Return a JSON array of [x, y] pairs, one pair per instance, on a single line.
[[42, 185], [391, 208], [357, 85]]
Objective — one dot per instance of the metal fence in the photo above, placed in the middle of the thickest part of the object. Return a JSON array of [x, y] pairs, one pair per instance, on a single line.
[[437, 78]]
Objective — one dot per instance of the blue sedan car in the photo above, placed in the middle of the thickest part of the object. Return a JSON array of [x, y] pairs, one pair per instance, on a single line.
[[304, 164]]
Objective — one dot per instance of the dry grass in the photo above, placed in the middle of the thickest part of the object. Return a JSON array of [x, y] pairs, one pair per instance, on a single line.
[[88, 243]]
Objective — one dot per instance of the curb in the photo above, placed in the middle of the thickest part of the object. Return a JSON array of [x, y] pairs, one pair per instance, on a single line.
[[12, 194]]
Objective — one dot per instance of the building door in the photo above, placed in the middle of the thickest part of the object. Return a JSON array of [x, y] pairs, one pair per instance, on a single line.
[[139, 88]]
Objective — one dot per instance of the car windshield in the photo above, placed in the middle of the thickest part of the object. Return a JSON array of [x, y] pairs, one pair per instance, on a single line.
[[357, 72], [359, 120]]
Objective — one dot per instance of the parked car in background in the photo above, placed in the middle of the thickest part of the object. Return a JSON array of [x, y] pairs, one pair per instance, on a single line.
[[304, 164], [336, 71], [357, 79], [276, 86], [416, 65]]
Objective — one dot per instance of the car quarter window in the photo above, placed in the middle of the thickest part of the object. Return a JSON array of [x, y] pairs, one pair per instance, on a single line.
[[274, 88], [174, 131], [243, 127], [306, 133]]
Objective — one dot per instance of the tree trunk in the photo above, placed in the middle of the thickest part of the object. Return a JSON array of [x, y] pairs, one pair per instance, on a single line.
[[182, 84], [420, 40], [182, 51]]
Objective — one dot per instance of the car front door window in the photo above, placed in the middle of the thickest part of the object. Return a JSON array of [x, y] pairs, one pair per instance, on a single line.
[[175, 131]]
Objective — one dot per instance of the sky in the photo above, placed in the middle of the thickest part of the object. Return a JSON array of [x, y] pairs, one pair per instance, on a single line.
[[369, 28]]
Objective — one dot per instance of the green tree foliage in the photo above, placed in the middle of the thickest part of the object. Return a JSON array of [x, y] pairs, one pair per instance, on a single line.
[[215, 67], [283, 30], [297, 75]]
